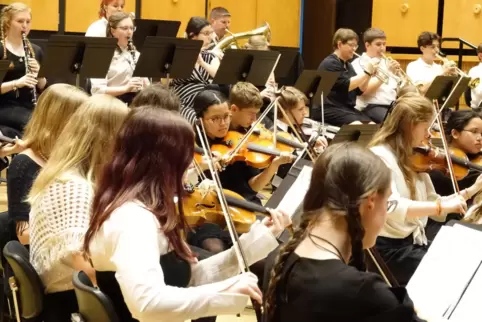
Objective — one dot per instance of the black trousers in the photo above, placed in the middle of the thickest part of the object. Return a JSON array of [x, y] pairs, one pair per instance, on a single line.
[[401, 256], [376, 112], [58, 307], [341, 115], [13, 120]]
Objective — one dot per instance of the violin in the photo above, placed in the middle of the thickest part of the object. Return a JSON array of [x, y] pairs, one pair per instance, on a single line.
[[257, 152], [284, 141], [199, 208], [428, 158]]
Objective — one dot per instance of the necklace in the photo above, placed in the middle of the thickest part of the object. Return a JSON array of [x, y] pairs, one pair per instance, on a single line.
[[337, 253]]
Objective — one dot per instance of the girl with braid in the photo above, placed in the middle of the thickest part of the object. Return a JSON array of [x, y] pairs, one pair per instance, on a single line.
[[16, 103], [319, 274]]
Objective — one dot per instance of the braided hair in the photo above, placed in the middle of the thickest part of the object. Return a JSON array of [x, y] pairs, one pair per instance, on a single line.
[[342, 177], [6, 17]]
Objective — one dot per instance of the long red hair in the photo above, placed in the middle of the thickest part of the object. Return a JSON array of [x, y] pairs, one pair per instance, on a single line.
[[152, 151]]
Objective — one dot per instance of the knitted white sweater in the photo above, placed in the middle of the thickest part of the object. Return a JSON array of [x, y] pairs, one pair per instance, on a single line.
[[59, 219]]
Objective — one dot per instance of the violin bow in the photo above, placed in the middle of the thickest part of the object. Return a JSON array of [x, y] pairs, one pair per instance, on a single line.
[[382, 267], [450, 165]]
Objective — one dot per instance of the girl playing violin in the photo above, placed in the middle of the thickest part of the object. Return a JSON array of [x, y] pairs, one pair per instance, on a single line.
[[135, 220], [213, 111], [464, 133], [403, 242], [345, 208]]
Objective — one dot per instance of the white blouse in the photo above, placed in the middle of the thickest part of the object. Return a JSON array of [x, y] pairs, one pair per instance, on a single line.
[[398, 225], [476, 72], [120, 72], [58, 222], [97, 28], [131, 242], [422, 73]]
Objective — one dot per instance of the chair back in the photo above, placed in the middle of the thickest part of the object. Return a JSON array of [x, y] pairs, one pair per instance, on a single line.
[[30, 287], [93, 304]]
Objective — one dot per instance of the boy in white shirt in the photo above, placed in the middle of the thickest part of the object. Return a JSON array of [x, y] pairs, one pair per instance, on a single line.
[[423, 71], [476, 72], [376, 99]]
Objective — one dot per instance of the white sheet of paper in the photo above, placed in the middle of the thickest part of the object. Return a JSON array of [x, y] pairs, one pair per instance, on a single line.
[[469, 308], [296, 193], [445, 270]]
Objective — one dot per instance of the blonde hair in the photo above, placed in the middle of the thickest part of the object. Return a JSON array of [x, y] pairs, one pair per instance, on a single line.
[[409, 110], [289, 97], [54, 108], [7, 15], [245, 95], [257, 42], [84, 143]]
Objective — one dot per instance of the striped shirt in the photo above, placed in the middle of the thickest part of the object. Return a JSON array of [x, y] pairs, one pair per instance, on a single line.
[[188, 88]]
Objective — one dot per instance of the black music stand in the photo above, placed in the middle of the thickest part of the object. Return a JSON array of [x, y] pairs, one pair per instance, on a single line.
[[442, 86], [154, 28], [83, 57], [283, 188], [253, 66], [164, 57], [314, 83], [360, 133], [286, 64]]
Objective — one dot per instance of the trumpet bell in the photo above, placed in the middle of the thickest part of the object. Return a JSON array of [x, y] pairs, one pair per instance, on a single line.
[[227, 42]]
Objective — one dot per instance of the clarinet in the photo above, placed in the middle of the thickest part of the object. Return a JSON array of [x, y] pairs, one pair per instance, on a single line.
[[132, 50], [28, 55]]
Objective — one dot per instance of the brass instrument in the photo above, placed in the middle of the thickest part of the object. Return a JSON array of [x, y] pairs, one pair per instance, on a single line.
[[382, 74], [232, 40], [474, 82], [401, 76]]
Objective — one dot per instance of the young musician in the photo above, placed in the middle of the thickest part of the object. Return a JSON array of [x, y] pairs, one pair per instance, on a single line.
[[319, 275], [476, 72], [157, 95], [119, 81], [220, 20], [424, 70], [377, 97], [204, 71], [403, 241], [17, 98], [135, 222], [61, 200], [464, 132], [55, 107], [107, 8], [339, 105]]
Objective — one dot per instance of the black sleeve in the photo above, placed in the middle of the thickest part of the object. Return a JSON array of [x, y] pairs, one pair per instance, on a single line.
[[20, 176], [383, 303], [330, 64], [352, 73]]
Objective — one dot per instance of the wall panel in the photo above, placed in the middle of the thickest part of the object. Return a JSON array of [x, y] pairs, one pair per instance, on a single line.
[[466, 25], [44, 13], [284, 18]]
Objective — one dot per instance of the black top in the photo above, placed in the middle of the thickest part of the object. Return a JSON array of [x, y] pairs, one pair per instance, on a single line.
[[17, 70], [20, 176], [339, 95], [443, 184], [327, 290], [236, 176]]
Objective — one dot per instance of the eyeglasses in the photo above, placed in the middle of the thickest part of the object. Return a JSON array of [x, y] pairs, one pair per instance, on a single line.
[[474, 132], [391, 205], [220, 118], [352, 45], [125, 28]]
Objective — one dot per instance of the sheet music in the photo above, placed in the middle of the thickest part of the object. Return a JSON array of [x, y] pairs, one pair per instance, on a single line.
[[469, 308], [296, 193], [444, 272]]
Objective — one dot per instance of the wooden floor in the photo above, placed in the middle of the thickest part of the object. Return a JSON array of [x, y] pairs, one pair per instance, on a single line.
[[247, 316]]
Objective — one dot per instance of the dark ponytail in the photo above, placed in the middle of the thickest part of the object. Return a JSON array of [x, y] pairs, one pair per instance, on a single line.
[[356, 232]]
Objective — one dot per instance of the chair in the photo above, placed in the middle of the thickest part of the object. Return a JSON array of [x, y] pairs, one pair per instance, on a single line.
[[26, 286], [93, 304]]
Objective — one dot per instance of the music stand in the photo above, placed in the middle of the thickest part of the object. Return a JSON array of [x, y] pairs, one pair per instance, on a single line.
[[164, 57], [315, 82], [152, 28], [286, 62], [360, 133], [84, 57], [253, 66], [447, 90]]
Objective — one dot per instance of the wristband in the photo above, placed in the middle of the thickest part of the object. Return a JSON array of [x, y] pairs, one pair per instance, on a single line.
[[368, 73], [438, 203]]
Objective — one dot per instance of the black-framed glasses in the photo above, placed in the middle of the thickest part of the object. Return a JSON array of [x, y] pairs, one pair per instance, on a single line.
[[475, 132], [125, 28], [391, 206]]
